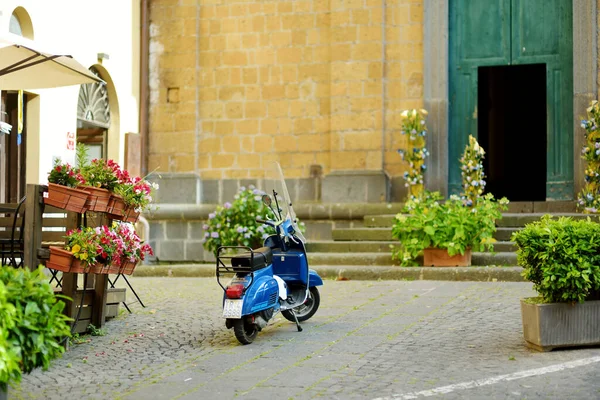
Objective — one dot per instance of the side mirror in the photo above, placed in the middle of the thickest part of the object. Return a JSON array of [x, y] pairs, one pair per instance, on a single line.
[[266, 199]]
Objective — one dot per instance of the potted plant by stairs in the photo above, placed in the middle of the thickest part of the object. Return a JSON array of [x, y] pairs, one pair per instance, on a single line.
[[445, 232], [32, 324], [561, 256]]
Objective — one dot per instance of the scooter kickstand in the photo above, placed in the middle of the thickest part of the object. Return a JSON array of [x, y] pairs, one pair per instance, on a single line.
[[296, 319]]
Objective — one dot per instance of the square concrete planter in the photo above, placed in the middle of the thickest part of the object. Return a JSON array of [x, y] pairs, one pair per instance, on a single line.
[[554, 325]]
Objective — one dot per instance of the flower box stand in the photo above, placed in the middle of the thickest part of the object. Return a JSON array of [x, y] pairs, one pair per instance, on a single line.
[[98, 296]]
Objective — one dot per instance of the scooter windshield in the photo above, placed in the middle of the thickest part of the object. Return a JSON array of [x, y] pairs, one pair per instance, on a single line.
[[285, 201]]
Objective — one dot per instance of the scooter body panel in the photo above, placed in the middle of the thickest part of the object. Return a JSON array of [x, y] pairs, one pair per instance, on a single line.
[[314, 278], [291, 265], [262, 291]]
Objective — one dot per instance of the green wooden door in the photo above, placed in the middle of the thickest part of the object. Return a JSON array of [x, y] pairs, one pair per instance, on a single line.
[[513, 32]]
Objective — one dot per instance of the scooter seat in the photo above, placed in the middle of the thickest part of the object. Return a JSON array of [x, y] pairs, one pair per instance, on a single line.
[[257, 259]]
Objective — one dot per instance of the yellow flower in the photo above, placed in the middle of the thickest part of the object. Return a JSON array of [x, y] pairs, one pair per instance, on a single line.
[[75, 249], [424, 111], [404, 114]]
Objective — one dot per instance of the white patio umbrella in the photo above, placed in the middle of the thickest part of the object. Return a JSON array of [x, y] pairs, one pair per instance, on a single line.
[[23, 66]]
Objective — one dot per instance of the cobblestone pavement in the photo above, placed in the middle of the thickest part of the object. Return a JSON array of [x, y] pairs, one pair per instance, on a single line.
[[369, 339]]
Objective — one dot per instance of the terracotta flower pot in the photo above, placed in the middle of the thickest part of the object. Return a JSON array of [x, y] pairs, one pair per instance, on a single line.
[[66, 198], [113, 269], [127, 267], [116, 207], [130, 215], [433, 257], [98, 198], [63, 260]]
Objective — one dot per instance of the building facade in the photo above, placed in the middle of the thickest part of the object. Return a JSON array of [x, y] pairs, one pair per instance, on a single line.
[[319, 85], [105, 38]]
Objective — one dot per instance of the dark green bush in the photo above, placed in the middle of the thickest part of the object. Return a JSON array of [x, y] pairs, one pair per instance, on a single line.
[[561, 256], [32, 323]]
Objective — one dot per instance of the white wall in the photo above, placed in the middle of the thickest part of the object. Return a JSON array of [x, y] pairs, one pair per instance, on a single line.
[[81, 28]]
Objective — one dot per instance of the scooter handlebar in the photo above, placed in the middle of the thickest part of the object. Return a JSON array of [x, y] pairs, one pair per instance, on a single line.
[[267, 222]]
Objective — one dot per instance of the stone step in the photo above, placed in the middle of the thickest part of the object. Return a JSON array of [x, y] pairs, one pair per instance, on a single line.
[[370, 234], [503, 234], [331, 246], [508, 219], [368, 259], [366, 246]]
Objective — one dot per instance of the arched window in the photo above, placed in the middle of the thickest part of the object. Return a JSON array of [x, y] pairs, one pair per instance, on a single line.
[[20, 23], [93, 117], [15, 25]]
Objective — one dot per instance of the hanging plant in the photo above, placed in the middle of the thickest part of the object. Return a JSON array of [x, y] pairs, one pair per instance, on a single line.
[[413, 125], [588, 200], [471, 170]]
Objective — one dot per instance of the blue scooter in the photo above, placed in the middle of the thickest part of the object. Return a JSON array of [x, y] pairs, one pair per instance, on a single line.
[[272, 278]]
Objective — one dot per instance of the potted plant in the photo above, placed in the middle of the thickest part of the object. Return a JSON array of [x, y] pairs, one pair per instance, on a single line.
[[561, 257], [134, 250], [101, 177], [234, 224], [63, 181], [79, 253], [97, 250], [132, 197], [446, 232], [456, 226], [32, 324]]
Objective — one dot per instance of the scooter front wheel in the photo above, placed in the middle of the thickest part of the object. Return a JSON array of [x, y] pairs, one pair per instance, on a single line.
[[306, 310], [244, 331]]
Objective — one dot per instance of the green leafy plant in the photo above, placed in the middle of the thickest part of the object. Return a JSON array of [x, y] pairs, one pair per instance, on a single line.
[[413, 125], [64, 174], [455, 224], [96, 331], [10, 370], [429, 221], [561, 256], [588, 199], [32, 323], [234, 224], [101, 173]]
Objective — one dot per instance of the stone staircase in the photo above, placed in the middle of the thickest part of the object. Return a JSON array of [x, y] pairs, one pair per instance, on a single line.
[[371, 244]]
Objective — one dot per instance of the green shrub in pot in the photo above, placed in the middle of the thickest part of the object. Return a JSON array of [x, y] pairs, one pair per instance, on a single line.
[[32, 323], [561, 257], [452, 224]]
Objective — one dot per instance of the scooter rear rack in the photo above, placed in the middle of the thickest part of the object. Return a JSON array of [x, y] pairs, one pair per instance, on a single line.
[[225, 264]]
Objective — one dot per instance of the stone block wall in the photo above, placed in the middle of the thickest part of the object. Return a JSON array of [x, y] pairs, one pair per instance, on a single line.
[[316, 84], [176, 229], [340, 187]]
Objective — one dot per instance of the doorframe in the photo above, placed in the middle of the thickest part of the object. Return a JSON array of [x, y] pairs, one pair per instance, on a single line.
[[436, 83]]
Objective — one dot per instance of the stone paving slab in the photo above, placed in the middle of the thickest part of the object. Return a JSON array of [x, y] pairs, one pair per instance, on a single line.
[[370, 339]]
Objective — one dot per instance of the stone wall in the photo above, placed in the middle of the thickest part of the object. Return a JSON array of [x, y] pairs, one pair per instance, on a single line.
[[176, 229], [316, 84]]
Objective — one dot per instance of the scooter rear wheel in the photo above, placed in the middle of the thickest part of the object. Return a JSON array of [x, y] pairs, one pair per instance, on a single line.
[[306, 310], [244, 331]]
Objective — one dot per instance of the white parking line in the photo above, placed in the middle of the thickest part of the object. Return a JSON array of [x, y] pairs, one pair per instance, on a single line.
[[491, 381]]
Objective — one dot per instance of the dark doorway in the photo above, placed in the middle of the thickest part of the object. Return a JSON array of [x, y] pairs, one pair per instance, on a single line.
[[512, 130], [12, 149]]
